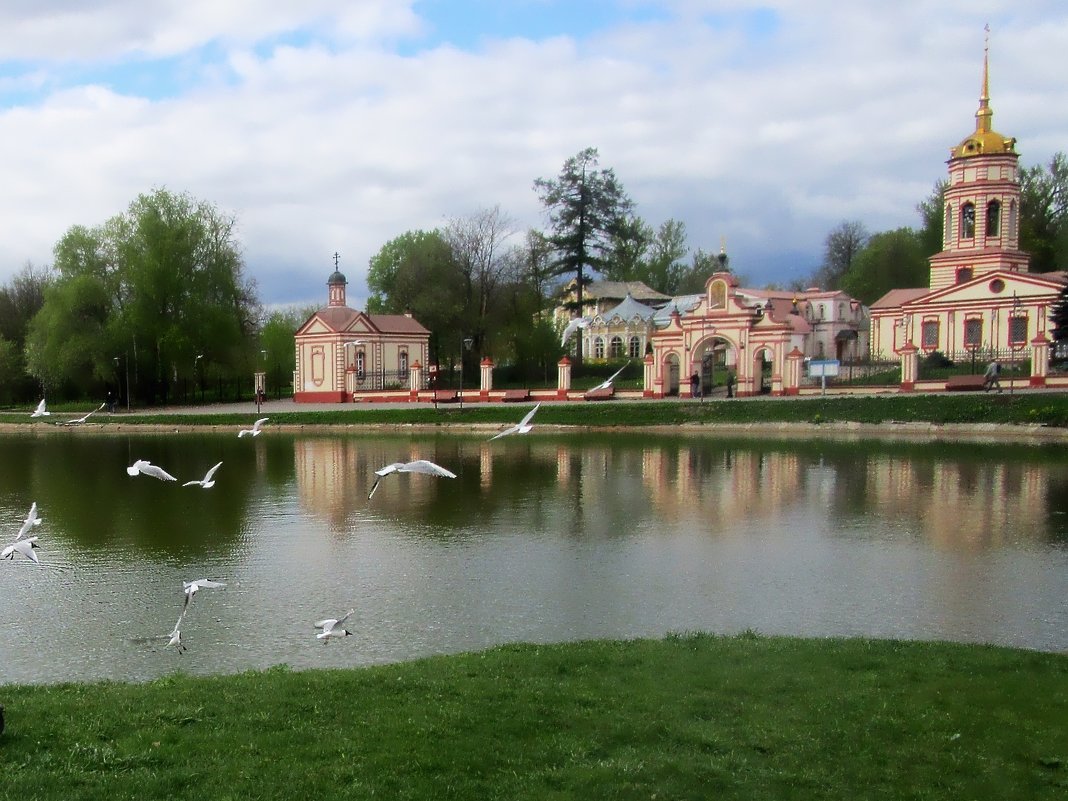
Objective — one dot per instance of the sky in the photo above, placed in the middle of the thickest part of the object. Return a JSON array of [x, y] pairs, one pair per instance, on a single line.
[[333, 126]]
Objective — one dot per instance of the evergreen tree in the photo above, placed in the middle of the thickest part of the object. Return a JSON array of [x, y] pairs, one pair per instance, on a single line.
[[585, 205]]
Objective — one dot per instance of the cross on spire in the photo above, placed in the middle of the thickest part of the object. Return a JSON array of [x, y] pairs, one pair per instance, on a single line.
[[337, 259]]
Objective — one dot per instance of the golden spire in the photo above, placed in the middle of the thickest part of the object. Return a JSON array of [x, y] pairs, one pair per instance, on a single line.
[[984, 114], [985, 140]]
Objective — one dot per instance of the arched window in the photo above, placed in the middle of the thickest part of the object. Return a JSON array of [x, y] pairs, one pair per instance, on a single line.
[[964, 274], [967, 220], [635, 349], [993, 218], [598, 348], [615, 348], [361, 363], [402, 362]]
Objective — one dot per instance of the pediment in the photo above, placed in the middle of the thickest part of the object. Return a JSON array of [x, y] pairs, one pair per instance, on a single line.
[[314, 325], [995, 286], [361, 324]]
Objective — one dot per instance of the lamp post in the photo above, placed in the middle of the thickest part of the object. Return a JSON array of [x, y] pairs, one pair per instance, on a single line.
[[196, 377], [1012, 340], [465, 344], [126, 363], [261, 381]]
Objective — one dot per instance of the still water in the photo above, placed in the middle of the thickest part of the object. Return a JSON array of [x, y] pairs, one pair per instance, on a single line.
[[541, 538]]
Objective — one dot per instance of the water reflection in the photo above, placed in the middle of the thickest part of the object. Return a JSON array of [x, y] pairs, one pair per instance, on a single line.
[[544, 537]]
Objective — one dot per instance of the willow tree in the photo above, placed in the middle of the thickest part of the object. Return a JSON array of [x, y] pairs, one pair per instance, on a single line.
[[150, 289]]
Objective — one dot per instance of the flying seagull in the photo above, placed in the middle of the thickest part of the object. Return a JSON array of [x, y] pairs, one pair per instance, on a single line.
[[41, 410], [418, 466], [24, 547], [521, 428], [190, 587], [31, 520], [573, 326], [149, 469], [333, 627], [176, 635], [83, 418], [257, 427], [207, 481], [608, 383]]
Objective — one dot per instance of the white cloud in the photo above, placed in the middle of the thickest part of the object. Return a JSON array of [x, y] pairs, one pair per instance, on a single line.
[[766, 132]]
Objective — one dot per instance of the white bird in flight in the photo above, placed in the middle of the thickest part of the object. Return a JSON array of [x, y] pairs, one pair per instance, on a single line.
[[149, 469], [572, 327], [520, 428], [608, 383], [257, 427], [191, 587], [41, 410], [333, 627], [418, 466], [84, 417], [207, 481], [24, 547], [176, 635], [31, 520]]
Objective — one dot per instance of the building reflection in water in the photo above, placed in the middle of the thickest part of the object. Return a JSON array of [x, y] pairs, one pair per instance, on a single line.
[[615, 484]]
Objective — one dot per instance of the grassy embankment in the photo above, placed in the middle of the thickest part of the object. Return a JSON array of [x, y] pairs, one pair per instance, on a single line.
[[1047, 408], [687, 717]]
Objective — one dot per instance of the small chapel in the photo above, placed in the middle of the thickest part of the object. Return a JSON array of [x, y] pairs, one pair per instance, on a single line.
[[343, 353], [982, 301]]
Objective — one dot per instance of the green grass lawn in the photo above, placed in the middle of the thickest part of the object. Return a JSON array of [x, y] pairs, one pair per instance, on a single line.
[[1046, 408], [687, 717]]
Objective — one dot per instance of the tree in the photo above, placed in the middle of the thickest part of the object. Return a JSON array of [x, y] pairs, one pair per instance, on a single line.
[[889, 260], [20, 301], [416, 272], [1044, 214], [628, 246], [840, 250], [276, 337], [585, 205], [478, 244], [933, 214], [664, 267], [9, 370], [158, 285]]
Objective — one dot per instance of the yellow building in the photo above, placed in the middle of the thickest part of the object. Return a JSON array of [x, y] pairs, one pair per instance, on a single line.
[[342, 352], [982, 302]]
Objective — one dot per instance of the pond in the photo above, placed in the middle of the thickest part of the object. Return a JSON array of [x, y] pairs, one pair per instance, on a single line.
[[546, 537]]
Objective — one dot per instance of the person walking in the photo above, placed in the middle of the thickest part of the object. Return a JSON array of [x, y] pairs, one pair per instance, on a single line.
[[695, 385], [992, 376]]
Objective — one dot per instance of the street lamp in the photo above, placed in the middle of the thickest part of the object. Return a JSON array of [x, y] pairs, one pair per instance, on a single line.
[[126, 362], [465, 344], [261, 382], [1012, 340], [196, 375]]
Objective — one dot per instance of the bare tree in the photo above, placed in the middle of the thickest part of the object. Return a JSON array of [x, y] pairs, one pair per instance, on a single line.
[[480, 248]]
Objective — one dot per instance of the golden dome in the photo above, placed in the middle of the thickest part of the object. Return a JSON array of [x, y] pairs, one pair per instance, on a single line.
[[985, 141]]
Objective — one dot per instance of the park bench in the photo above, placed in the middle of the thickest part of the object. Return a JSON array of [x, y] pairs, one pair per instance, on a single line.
[[600, 394], [516, 395], [965, 383]]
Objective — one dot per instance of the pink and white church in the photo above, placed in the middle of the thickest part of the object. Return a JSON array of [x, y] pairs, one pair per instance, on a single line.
[[982, 301]]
